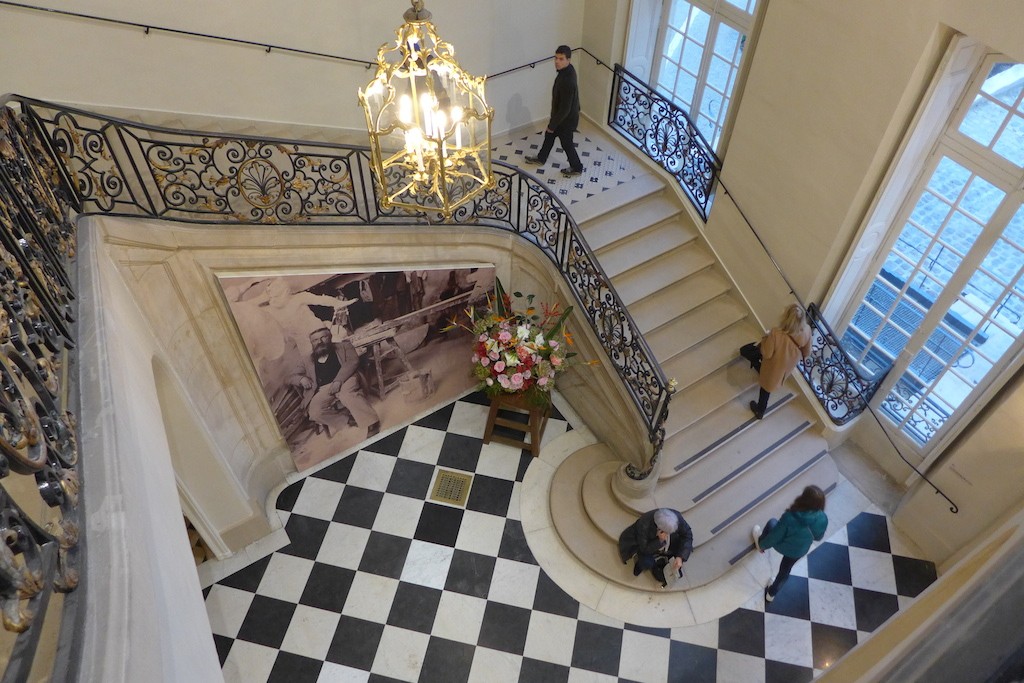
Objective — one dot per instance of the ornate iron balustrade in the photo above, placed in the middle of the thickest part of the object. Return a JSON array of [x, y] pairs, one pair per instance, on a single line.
[[662, 130], [39, 485], [121, 168], [842, 391]]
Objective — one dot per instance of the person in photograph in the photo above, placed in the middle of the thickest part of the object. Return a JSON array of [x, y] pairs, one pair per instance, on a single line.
[[331, 373]]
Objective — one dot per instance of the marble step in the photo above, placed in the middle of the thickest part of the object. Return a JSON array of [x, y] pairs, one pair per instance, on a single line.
[[588, 542], [694, 327], [774, 437], [661, 272], [626, 194], [701, 398], [678, 298], [684, 448], [629, 221], [730, 539], [712, 353], [729, 500], [626, 254]]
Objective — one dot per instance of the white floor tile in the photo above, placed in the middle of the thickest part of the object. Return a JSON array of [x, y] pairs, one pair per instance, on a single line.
[[459, 617], [733, 666], [226, 608], [248, 662], [514, 583], [370, 597], [832, 603], [318, 498], [788, 640], [285, 577], [336, 673], [427, 564], [872, 570], [480, 533], [343, 545], [403, 514], [400, 653], [372, 471], [644, 657], [551, 638], [494, 666], [422, 444], [311, 632]]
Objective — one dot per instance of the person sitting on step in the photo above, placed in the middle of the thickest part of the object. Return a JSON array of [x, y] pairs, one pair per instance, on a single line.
[[660, 533]]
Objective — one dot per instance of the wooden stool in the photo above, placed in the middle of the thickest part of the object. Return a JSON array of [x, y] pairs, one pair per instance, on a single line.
[[534, 427]]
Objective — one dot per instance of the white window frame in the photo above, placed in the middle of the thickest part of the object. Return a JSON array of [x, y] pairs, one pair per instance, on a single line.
[[933, 132], [720, 11]]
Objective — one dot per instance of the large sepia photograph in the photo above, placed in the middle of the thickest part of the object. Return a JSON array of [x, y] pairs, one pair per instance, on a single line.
[[344, 356]]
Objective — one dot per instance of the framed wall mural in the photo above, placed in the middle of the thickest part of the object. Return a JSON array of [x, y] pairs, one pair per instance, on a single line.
[[343, 356]]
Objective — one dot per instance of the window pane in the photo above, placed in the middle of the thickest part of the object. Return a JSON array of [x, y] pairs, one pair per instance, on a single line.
[[692, 54], [983, 121], [680, 15], [960, 233], [727, 42], [949, 179], [718, 74], [685, 86], [667, 76], [913, 243], [1011, 141], [930, 212], [673, 46], [982, 199]]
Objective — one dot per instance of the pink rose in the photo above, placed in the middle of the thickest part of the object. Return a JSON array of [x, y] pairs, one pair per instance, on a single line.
[[517, 380], [542, 381], [483, 338], [493, 355], [504, 336], [499, 366], [556, 361], [485, 361]]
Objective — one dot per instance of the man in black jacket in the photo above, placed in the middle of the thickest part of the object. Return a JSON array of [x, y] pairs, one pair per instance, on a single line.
[[565, 114]]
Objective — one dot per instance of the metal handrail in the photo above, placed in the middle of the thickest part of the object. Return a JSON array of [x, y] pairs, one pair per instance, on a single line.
[[664, 132], [119, 167]]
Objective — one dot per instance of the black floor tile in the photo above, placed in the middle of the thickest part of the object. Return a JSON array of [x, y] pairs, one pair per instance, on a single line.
[[248, 579], [742, 631], [355, 643], [286, 499], [536, 671], [460, 452], [327, 587], [513, 543], [830, 562], [869, 531], [388, 445], [873, 608], [793, 599], [504, 628], [550, 598], [829, 643], [385, 555], [414, 607], [358, 506], [223, 645], [292, 668], [781, 672], [411, 479], [689, 663], [267, 621], [338, 471], [478, 398], [470, 574], [439, 524], [525, 458], [649, 630], [912, 575], [597, 648], [306, 535], [446, 661], [490, 495], [438, 419]]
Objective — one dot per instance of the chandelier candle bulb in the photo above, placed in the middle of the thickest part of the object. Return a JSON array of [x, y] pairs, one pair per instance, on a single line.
[[416, 108]]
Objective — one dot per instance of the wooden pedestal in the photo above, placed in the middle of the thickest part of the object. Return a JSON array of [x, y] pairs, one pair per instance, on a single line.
[[504, 404]]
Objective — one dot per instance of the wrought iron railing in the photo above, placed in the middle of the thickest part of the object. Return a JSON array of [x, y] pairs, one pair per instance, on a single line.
[[664, 132], [39, 485], [117, 167]]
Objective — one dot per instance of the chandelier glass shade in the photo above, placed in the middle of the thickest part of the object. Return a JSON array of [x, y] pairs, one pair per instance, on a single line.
[[428, 120]]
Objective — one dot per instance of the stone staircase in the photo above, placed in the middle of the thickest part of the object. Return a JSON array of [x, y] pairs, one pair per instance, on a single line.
[[724, 470]]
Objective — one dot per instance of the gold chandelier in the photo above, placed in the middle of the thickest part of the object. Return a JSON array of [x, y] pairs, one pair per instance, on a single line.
[[429, 124]]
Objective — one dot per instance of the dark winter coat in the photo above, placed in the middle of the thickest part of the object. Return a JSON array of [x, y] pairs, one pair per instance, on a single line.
[[795, 532], [641, 538], [565, 101]]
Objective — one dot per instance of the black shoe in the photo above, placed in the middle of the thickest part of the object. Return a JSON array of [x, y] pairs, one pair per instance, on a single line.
[[636, 569], [373, 429], [534, 161], [571, 172], [753, 408]]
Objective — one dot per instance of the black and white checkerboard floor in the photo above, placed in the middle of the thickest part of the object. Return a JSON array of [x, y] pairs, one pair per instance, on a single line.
[[380, 583], [604, 165]]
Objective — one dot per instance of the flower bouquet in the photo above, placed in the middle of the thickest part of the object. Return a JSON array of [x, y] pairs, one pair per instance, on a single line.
[[518, 352]]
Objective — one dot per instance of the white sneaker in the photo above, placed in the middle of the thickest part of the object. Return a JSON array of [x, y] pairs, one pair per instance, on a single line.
[[756, 533]]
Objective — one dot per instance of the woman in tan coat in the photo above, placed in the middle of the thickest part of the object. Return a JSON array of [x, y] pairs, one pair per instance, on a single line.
[[781, 349]]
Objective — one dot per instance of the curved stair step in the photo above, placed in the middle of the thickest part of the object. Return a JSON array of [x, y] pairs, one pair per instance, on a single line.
[[603, 507], [703, 397], [690, 365]]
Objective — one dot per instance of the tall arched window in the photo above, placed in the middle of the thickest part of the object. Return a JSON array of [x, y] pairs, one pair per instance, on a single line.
[[941, 306]]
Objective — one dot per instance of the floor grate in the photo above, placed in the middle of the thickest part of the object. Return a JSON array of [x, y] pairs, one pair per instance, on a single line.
[[451, 487]]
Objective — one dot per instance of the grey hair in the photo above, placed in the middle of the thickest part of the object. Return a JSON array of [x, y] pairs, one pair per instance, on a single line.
[[666, 520]]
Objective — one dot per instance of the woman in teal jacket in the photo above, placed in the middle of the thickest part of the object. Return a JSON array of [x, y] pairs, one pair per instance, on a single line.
[[802, 524]]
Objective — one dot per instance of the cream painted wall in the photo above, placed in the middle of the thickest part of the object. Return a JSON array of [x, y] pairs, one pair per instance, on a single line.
[[85, 62]]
